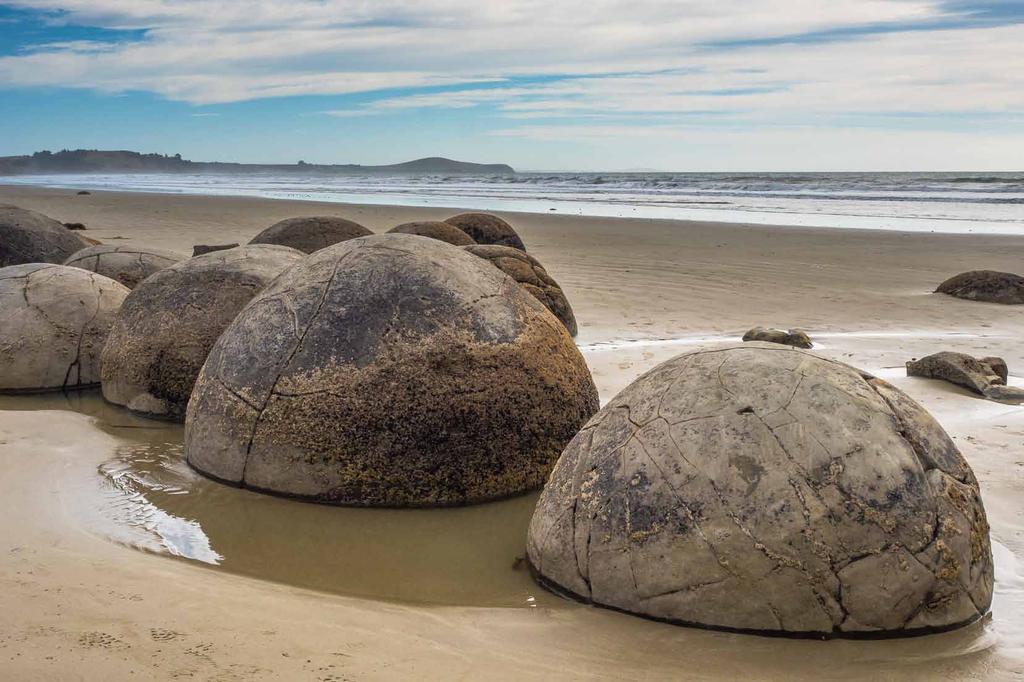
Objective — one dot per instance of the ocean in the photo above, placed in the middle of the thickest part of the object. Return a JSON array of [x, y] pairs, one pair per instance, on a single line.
[[934, 202]]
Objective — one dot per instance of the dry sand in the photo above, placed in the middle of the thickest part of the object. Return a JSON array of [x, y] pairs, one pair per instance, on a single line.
[[75, 605]]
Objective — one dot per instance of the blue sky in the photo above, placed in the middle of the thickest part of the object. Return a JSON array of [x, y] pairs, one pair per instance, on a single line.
[[589, 85]]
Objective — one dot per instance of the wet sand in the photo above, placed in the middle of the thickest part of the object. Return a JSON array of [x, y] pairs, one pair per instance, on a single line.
[[116, 560]]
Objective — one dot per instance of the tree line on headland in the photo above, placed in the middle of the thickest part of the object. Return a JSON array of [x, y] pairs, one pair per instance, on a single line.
[[99, 161]]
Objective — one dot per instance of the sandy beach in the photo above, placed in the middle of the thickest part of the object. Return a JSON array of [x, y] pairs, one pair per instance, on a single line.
[[81, 598]]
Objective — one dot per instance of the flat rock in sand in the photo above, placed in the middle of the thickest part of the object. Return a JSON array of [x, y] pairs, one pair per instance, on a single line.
[[986, 285]]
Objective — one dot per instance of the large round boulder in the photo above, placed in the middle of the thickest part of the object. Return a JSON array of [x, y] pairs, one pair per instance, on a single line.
[[129, 265], [394, 371], [30, 237], [310, 234], [484, 228], [986, 285], [55, 320], [435, 230], [168, 324], [764, 488], [532, 276]]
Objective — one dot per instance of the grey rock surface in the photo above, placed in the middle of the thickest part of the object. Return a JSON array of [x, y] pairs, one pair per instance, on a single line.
[[484, 228], [984, 376], [764, 488], [129, 265], [55, 320], [444, 232], [790, 337], [532, 276], [986, 285], [393, 370], [168, 324], [310, 234], [31, 237]]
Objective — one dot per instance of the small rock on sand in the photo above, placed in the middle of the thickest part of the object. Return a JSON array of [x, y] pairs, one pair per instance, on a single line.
[[984, 376], [200, 249], [791, 337]]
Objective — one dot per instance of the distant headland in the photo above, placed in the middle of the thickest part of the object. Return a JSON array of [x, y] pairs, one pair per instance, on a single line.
[[98, 161]]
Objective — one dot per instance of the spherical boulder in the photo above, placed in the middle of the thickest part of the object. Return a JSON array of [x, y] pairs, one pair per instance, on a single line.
[[168, 324], [989, 286], [311, 233], [129, 265], [484, 228], [55, 320], [30, 237], [532, 276], [764, 488], [435, 230], [392, 371]]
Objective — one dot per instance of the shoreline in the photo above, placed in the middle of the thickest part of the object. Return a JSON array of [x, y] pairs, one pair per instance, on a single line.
[[75, 600], [556, 206]]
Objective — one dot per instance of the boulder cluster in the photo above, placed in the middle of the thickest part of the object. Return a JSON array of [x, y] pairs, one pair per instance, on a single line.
[[756, 487]]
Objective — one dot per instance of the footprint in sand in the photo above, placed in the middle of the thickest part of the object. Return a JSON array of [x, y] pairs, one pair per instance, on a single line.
[[105, 640], [162, 635]]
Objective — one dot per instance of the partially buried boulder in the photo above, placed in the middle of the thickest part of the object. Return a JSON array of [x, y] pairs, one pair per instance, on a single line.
[[55, 320], [435, 230], [389, 371], [984, 376], [532, 276], [129, 265], [484, 228], [762, 488], [168, 324], [986, 285], [791, 337], [30, 237], [310, 234]]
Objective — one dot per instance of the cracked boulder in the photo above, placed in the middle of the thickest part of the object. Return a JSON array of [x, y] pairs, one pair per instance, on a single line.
[[532, 276], [168, 324], [55, 320], [30, 237], [391, 371], [444, 232], [484, 228], [309, 234], [986, 285], [129, 265], [766, 489], [984, 376], [791, 337]]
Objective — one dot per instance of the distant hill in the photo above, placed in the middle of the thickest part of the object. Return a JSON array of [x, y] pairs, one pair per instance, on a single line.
[[96, 161]]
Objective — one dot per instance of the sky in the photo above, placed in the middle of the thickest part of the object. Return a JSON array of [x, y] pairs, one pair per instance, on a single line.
[[686, 85]]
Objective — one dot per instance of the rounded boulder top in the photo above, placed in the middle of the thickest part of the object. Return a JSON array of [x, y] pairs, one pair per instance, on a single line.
[[435, 230], [55, 320], [309, 234], [128, 265], [31, 237], [766, 489], [532, 276], [485, 228], [392, 371], [988, 286], [168, 324]]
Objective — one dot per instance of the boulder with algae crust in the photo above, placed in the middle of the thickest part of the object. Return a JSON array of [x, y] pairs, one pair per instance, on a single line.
[[392, 370]]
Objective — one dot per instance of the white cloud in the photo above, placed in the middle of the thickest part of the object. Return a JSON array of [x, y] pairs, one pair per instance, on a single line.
[[206, 51]]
